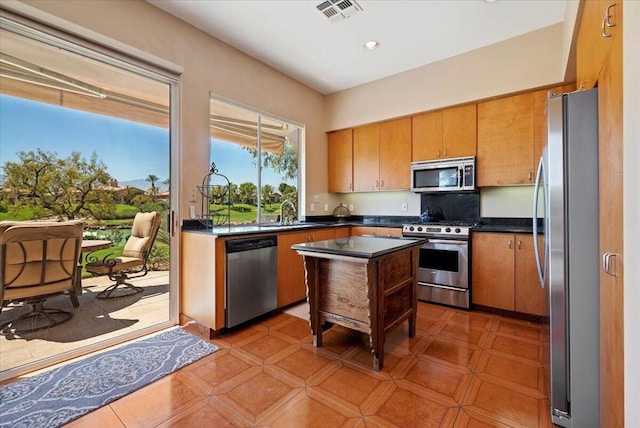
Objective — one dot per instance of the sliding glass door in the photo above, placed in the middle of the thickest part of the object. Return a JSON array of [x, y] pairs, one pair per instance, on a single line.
[[89, 137]]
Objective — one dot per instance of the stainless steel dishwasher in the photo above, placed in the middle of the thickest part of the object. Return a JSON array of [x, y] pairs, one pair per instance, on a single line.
[[252, 288]]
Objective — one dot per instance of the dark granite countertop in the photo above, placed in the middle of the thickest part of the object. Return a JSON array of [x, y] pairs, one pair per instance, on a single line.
[[505, 229], [359, 246], [316, 222], [507, 225]]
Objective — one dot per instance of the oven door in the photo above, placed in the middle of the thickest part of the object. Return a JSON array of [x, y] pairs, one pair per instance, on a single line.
[[444, 262]]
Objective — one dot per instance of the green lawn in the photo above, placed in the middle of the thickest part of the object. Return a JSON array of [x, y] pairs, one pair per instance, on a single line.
[[243, 213]]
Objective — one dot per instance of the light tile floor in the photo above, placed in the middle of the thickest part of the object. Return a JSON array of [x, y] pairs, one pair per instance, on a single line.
[[93, 321], [462, 369]]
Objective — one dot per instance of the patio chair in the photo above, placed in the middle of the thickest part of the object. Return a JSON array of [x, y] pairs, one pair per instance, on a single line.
[[37, 261], [133, 262]]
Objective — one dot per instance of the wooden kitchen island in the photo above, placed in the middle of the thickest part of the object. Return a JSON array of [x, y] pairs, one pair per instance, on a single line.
[[363, 283]]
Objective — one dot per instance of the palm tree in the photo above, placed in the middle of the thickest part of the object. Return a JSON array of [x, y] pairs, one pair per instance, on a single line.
[[153, 190]]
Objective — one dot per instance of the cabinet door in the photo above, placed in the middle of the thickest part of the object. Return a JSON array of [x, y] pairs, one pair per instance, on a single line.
[[459, 131], [611, 236], [505, 141], [591, 46], [426, 136], [395, 154], [531, 298], [376, 231], [492, 270], [366, 158], [340, 158], [291, 285]]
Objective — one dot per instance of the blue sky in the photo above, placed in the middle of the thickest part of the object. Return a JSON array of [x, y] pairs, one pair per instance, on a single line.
[[130, 150]]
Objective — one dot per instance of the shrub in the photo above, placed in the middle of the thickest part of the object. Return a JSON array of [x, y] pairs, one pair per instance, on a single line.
[[159, 257]]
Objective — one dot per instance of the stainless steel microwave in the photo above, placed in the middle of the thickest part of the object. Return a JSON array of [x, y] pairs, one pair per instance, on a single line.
[[446, 175]]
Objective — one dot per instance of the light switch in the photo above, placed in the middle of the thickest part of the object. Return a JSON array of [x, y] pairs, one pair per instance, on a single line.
[[313, 207]]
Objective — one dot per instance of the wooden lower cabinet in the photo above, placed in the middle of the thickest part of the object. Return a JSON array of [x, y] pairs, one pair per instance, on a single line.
[[382, 232], [291, 275], [504, 273]]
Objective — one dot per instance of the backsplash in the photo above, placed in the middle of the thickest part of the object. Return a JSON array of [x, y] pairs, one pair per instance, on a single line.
[[454, 206]]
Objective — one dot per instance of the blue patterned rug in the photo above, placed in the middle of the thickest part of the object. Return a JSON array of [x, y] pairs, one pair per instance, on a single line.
[[61, 395]]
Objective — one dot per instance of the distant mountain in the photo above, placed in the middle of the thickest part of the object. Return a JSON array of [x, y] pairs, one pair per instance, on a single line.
[[142, 184]]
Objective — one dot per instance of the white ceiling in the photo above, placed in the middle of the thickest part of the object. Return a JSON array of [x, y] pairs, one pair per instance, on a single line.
[[294, 37]]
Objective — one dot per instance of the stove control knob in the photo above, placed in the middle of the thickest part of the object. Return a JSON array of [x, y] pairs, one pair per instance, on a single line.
[[410, 228], [419, 228], [457, 230], [448, 229]]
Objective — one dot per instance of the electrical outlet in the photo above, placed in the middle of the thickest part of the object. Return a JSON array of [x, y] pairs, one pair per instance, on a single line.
[[316, 199], [313, 207], [351, 207], [326, 207], [404, 206]]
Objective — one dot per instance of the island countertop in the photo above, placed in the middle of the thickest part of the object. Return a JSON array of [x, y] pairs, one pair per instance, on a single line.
[[358, 246]]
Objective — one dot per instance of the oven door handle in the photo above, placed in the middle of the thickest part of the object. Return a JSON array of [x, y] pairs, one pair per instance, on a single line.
[[446, 241], [446, 287]]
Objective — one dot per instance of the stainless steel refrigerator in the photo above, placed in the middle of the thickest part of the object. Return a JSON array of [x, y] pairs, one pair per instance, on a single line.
[[568, 264]]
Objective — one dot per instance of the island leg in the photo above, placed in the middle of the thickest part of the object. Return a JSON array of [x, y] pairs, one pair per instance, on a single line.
[[313, 297]]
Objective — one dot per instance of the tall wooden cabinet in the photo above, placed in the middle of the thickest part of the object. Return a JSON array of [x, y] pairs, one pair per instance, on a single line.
[[340, 159], [599, 63], [447, 133], [504, 273]]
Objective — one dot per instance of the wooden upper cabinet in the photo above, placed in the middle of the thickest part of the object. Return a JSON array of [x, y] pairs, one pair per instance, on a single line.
[[366, 158], [426, 136], [505, 141], [395, 154], [459, 131], [340, 158], [445, 133]]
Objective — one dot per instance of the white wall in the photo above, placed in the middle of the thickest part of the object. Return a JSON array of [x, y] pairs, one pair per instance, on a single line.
[[631, 159]]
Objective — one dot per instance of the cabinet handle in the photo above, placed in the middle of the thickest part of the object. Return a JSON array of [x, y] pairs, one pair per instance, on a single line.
[[529, 177], [377, 184], [438, 152], [349, 185], [381, 183], [608, 16], [510, 244], [607, 265], [519, 244], [604, 30], [445, 151]]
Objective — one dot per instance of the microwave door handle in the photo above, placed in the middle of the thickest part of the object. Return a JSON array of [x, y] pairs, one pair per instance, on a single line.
[[460, 176]]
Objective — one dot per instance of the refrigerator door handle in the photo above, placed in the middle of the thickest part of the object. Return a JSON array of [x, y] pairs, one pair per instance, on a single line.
[[536, 249]]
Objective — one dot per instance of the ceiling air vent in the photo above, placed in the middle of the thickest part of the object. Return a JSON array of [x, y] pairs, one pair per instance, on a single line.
[[338, 10]]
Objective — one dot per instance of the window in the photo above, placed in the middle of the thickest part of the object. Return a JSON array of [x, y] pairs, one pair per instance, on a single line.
[[259, 155]]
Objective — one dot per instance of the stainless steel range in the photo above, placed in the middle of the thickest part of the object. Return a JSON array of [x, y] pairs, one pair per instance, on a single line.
[[443, 270]]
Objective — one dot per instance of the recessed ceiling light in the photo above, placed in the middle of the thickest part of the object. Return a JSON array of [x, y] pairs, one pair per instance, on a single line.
[[371, 45], [490, 1]]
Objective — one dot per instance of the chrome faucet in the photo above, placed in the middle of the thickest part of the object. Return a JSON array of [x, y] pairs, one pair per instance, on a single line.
[[289, 219]]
